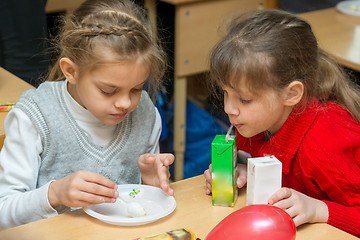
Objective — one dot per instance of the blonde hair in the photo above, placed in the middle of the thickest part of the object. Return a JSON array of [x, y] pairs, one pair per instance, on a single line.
[[272, 48], [120, 26]]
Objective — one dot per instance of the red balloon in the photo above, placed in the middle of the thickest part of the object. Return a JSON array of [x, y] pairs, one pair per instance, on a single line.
[[255, 222]]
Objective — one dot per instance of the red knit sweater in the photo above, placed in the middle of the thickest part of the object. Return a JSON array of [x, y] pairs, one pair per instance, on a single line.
[[320, 153]]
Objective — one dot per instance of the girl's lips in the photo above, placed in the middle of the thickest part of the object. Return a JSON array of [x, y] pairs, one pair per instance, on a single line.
[[119, 115], [238, 125]]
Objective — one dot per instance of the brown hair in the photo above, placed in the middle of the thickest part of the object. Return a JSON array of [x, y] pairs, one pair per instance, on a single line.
[[272, 48], [120, 26]]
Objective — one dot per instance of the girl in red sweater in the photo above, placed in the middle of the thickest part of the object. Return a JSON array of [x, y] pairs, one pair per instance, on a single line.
[[288, 98]]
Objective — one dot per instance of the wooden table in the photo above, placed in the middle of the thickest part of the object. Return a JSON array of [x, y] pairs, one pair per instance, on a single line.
[[11, 88], [337, 33], [193, 211]]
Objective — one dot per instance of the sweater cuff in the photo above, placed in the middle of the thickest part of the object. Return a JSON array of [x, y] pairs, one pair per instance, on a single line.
[[46, 206], [344, 218]]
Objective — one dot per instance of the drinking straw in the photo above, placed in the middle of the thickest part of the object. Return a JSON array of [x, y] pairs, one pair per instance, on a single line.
[[228, 134]]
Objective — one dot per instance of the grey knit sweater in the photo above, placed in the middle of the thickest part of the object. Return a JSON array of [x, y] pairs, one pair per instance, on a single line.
[[67, 149]]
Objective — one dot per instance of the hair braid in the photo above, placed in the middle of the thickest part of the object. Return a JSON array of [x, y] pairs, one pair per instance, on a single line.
[[120, 26]]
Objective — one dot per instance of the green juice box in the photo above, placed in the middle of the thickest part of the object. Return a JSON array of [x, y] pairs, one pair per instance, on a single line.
[[224, 173]]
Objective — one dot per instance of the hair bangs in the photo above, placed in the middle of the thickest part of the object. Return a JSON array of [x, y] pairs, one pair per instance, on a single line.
[[232, 61], [254, 69]]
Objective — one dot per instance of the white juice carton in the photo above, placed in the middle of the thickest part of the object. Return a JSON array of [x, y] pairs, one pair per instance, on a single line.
[[263, 179]]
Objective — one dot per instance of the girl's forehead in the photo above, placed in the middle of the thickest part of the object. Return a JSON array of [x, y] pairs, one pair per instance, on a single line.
[[118, 61], [126, 74], [106, 54]]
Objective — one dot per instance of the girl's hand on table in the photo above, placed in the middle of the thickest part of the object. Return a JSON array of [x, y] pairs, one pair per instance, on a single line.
[[242, 178], [81, 189], [208, 178], [154, 170], [241, 181], [302, 208]]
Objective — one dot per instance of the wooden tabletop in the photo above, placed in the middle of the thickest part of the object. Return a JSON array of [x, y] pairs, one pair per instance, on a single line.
[[337, 33], [194, 211], [11, 88]]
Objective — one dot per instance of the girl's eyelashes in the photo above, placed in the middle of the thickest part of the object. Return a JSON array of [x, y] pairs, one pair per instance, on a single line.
[[107, 93], [242, 100], [136, 90], [245, 101], [110, 93]]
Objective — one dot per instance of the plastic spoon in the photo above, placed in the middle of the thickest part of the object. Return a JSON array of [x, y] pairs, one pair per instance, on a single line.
[[134, 209]]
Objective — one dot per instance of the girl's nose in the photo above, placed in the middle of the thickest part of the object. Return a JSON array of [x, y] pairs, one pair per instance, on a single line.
[[123, 101], [230, 107]]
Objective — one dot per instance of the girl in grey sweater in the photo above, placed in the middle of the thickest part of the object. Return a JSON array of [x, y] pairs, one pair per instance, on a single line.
[[91, 126]]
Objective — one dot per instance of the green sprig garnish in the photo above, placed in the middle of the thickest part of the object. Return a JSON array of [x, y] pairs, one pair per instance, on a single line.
[[134, 192]]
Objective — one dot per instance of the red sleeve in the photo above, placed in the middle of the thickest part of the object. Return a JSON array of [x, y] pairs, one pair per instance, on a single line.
[[332, 153], [345, 218]]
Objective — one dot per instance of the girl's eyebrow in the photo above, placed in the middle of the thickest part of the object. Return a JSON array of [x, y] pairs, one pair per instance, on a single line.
[[114, 86]]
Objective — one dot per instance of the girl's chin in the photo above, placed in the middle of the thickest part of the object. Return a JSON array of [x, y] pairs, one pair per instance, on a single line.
[[111, 121], [246, 134]]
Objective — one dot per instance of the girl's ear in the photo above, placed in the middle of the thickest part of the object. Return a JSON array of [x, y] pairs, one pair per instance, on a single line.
[[294, 93], [69, 69]]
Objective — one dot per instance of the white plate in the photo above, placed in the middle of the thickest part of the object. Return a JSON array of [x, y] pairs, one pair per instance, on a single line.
[[345, 7], [155, 201]]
